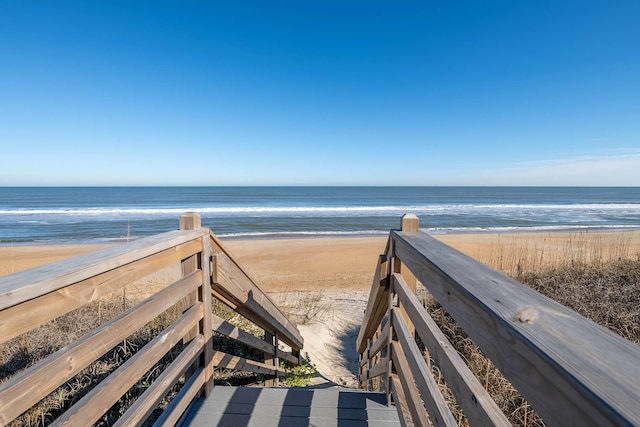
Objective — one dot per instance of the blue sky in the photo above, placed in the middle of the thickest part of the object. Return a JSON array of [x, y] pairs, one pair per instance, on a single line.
[[320, 93]]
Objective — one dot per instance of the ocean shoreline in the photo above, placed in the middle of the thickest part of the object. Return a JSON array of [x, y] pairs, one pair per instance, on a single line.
[[109, 215], [343, 235]]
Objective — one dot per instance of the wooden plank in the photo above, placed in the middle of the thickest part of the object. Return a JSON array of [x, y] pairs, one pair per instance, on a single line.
[[241, 289], [413, 399], [191, 221], [436, 405], [590, 375], [410, 224], [363, 358], [140, 410], [269, 360], [380, 368], [204, 295], [28, 284], [244, 292], [381, 341], [477, 404], [182, 400], [26, 388], [94, 404], [400, 401], [376, 308], [218, 246], [219, 293], [289, 357], [229, 361], [227, 329], [28, 315]]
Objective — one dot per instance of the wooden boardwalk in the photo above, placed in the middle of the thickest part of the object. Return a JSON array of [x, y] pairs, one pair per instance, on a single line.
[[570, 370], [266, 407]]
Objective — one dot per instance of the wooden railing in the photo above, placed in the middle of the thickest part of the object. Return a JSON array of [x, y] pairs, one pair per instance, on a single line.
[[31, 298], [571, 371]]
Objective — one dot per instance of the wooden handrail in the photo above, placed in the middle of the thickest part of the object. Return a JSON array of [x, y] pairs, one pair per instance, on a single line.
[[235, 285], [571, 371], [33, 297]]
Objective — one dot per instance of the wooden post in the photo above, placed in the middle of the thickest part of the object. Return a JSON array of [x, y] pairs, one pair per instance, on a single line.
[[207, 263], [409, 223], [364, 369], [272, 359], [189, 221], [390, 339], [376, 384]]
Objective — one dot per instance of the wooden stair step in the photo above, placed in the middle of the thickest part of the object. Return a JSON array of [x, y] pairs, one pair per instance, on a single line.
[[279, 406]]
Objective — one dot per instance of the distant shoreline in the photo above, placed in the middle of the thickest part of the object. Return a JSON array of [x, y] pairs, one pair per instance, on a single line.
[[342, 235]]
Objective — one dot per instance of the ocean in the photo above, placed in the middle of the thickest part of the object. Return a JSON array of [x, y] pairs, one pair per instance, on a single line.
[[40, 215]]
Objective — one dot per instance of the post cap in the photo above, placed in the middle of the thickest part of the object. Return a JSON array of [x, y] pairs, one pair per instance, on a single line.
[[410, 223], [190, 221]]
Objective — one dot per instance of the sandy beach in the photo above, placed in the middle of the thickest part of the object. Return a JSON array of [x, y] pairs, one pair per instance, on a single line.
[[281, 265], [337, 274]]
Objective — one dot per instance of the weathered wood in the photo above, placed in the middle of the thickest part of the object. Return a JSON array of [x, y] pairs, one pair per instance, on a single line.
[[390, 337], [436, 405], [30, 298], [380, 368], [381, 341], [182, 400], [244, 292], [219, 293], [477, 404], [190, 221], [400, 400], [289, 357], [29, 284], [376, 307], [28, 387], [204, 328], [409, 223], [413, 399], [363, 358], [140, 410], [30, 314], [229, 361], [95, 403], [269, 359], [227, 329], [219, 248], [589, 375]]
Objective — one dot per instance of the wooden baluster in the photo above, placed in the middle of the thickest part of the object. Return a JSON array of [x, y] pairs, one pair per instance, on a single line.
[[272, 359], [189, 221]]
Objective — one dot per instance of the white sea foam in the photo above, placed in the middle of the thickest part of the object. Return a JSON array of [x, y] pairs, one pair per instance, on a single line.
[[551, 228], [325, 210], [258, 235]]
